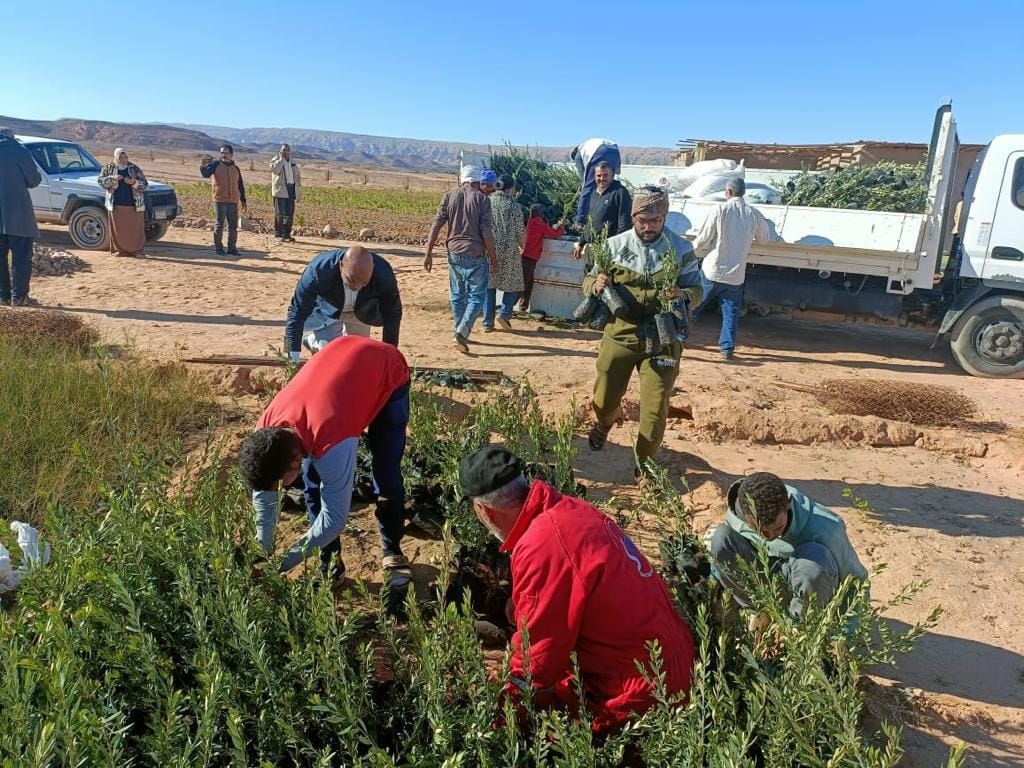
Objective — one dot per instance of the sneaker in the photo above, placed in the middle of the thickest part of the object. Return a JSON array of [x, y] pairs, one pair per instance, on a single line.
[[397, 569], [488, 328], [727, 354], [290, 239], [462, 343], [24, 301], [279, 238], [504, 324]]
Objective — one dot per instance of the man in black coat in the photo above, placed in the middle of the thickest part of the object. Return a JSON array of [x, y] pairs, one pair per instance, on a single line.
[[342, 292], [18, 174]]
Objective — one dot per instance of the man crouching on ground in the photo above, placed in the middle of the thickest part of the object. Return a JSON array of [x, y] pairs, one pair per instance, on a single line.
[[578, 584], [313, 426]]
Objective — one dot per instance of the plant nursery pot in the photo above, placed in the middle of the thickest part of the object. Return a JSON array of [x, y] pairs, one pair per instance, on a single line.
[[665, 323], [585, 310], [601, 317], [612, 298]]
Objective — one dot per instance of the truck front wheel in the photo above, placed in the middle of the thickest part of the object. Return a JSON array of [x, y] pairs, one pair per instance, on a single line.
[[88, 228], [156, 231], [989, 339]]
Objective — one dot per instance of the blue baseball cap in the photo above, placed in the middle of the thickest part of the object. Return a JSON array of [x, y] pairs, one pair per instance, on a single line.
[[487, 176]]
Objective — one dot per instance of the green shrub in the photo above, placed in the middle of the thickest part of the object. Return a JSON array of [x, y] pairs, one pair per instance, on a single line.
[[901, 188], [556, 187]]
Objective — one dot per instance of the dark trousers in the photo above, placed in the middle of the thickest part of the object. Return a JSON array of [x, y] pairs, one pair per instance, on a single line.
[[529, 265], [14, 281], [284, 213], [226, 212], [386, 440]]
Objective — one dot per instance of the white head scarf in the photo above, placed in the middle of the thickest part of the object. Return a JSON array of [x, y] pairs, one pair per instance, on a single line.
[[117, 158], [470, 173]]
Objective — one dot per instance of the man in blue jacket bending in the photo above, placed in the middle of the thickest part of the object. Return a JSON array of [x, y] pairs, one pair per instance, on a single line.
[[806, 542], [341, 293]]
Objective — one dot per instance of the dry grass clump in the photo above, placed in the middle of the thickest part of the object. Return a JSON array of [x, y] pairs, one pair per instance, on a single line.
[[926, 404], [46, 326]]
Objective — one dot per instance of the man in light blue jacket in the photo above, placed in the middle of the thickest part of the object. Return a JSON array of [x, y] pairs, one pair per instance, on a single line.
[[805, 541]]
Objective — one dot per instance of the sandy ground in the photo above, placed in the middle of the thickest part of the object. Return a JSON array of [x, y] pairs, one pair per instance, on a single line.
[[945, 505]]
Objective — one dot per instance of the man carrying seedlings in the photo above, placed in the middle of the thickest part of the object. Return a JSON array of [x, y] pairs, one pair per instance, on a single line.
[[726, 237], [806, 542], [610, 206], [467, 212], [343, 293], [285, 185], [228, 194], [587, 155], [313, 426], [636, 257], [579, 584]]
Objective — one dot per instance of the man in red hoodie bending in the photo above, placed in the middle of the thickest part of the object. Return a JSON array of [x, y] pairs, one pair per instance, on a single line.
[[578, 584], [313, 426]]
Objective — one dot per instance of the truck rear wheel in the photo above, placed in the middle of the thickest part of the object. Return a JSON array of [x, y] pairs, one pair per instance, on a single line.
[[988, 340], [89, 229]]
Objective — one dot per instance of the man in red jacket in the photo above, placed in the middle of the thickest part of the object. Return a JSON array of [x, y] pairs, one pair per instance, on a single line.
[[578, 584], [313, 426]]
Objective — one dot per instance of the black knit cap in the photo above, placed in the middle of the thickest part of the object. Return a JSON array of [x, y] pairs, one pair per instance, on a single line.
[[488, 469]]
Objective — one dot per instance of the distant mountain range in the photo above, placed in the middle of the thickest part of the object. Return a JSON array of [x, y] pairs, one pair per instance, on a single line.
[[334, 146]]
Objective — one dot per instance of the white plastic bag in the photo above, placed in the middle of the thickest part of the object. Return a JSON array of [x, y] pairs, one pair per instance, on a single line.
[[9, 578], [28, 542]]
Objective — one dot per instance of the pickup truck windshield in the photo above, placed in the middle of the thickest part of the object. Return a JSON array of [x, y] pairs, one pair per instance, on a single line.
[[56, 159]]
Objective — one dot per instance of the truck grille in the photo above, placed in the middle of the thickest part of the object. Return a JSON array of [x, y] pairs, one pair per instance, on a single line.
[[161, 199]]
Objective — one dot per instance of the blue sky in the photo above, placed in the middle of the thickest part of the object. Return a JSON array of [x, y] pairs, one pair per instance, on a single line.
[[549, 73]]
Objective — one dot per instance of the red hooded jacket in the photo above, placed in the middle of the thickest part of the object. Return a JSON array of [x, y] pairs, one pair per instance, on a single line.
[[533, 241], [579, 583]]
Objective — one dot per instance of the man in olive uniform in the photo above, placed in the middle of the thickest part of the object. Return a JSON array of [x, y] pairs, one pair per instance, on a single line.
[[637, 256]]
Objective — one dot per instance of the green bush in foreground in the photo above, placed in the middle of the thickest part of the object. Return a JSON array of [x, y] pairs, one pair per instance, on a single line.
[[154, 639], [65, 419]]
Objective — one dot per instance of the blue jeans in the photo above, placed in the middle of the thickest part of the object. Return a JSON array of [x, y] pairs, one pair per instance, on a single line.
[[730, 298], [14, 282], [508, 303], [386, 439], [467, 283]]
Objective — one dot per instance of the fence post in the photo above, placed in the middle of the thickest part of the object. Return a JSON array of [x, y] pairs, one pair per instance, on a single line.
[[328, 174]]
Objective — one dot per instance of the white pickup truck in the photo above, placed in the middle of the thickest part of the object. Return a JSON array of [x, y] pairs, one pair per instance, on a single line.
[[70, 194], [883, 267]]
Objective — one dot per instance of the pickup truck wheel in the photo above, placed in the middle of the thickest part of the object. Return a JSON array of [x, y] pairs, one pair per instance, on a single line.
[[156, 231], [988, 340], [89, 229]]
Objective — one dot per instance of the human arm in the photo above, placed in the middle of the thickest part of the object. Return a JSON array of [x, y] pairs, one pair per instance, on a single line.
[[265, 507], [141, 182], [109, 178], [391, 309], [301, 307], [553, 232], [29, 169], [548, 602], [689, 281], [487, 231], [440, 219], [209, 168], [241, 192], [625, 218], [337, 469], [298, 180], [277, 164], [708, 235], [762, 230]]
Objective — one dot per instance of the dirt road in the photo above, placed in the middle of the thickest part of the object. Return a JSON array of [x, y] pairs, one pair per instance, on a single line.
[[945, 504]]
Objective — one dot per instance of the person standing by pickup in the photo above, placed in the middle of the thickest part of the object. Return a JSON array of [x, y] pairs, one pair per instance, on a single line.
[[18, 174], [533, 246], [228, 195], [587, 155], [726, 237], [125, 184], [285, 181], [610, 207], [467, 212]]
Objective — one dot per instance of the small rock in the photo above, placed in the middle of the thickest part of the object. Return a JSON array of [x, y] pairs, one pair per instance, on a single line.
[[366, 234], [329, 231]]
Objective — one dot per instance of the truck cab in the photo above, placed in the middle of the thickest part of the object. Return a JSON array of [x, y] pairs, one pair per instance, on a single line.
[[70, 194]]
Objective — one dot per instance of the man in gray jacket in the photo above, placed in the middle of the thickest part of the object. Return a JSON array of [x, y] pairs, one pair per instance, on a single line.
[[18, 174], [285, 181]]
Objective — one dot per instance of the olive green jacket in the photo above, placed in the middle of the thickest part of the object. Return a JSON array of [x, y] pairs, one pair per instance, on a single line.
[[635, 267]]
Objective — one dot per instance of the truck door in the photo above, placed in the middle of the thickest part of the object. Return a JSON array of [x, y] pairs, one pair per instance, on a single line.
[[1004, 260], [40, 194]]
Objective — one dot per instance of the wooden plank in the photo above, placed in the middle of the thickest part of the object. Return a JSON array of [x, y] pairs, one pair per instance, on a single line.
[[479, 375]]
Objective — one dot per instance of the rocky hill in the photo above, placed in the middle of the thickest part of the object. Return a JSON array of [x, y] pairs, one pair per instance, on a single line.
[[115, 134], [415, 152]]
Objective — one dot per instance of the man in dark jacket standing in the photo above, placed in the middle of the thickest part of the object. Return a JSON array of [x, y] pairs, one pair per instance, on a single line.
[[341, 293], [18, 174], [228, 195], [610, 208]]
